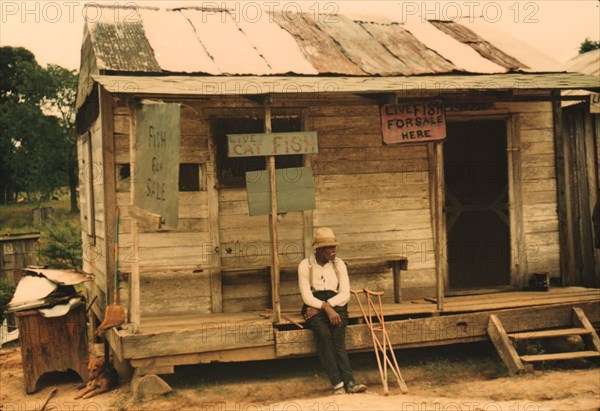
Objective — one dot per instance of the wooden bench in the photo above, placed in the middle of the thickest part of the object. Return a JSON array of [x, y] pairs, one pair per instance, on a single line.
[[396, 262]]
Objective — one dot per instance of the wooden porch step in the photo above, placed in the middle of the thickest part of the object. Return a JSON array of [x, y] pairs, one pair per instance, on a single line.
[[560, 356], [564, 332], [503, 341]]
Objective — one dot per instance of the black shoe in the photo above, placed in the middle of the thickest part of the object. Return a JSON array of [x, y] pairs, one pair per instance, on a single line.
[[354, 388]]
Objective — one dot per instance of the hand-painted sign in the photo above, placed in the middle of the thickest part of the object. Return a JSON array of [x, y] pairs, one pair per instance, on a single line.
[[295, 190], [157, 161], [417, 122], [269, 144]]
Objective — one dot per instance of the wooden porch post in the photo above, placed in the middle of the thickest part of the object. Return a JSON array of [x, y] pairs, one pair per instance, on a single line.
[[134, 281], [440, 225], [275, 282], [565, 226], [436, 193]]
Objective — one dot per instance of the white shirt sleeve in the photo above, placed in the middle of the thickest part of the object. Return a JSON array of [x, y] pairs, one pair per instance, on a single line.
[[343, 295], [303, 283]]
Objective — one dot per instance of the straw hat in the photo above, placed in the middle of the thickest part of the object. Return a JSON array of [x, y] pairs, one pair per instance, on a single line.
[[324, 237]]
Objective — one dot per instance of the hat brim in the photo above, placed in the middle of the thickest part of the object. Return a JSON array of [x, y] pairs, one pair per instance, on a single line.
[[324, 244]]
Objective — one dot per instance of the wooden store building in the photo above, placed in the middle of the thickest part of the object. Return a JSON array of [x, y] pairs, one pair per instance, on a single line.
[[432, 148]]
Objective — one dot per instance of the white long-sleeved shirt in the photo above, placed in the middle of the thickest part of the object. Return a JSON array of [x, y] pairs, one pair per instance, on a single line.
[[324, 278]]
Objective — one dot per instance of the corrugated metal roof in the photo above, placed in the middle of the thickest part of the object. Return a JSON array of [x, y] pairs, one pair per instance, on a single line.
[[314, 85], [483, 47], [587, 63], [217, 42]]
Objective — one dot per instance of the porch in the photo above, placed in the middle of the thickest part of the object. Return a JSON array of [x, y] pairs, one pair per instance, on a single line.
[[161, 343]]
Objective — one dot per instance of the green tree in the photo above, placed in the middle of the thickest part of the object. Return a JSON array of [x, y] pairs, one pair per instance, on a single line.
[[37, 136], [61, 102], [588, 45]]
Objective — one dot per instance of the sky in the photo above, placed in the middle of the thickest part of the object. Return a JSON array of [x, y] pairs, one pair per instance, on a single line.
[[53, 30]]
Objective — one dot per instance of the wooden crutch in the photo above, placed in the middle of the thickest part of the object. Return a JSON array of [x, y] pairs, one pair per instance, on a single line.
[[381, 346]]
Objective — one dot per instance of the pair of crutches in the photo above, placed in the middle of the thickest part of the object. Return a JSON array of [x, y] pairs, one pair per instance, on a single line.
[[381, 345]]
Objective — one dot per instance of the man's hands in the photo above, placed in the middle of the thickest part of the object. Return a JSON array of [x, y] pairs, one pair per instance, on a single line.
[[310, 313], [334, 317]]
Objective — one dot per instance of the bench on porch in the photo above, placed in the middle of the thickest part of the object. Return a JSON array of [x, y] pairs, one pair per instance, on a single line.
[[240, 285], [396, 262]]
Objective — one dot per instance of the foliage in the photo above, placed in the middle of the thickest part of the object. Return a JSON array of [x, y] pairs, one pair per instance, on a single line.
[[588, 45], [37, 143], [23, 80], [62, 84], [60, 243], [17, 218], [7, 289]]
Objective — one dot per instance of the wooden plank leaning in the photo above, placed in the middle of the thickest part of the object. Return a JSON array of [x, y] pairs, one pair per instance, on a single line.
[[381, 344]]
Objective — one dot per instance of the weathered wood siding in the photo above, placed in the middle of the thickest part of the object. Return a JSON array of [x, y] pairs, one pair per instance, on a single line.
[[94, 248], [16, 253], [169, 282], [375, 197], [538, 184]]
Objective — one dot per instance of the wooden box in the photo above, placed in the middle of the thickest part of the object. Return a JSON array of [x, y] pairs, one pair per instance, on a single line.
[[52, 344]]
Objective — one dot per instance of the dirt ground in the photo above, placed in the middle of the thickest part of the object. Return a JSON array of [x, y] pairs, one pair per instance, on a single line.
[[441, 379]]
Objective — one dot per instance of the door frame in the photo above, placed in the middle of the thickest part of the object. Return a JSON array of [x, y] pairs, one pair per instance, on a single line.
[[518, 262]]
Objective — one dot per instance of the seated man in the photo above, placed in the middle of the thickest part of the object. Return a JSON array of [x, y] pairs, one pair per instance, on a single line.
[[325, 290]]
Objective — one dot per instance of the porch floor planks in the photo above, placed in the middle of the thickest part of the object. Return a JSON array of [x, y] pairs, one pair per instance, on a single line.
[[507, 295], [170, 336], [513, 299], [517, 299]]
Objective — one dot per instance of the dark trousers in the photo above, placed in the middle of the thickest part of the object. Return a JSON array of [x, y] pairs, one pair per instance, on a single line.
[[331, 345]]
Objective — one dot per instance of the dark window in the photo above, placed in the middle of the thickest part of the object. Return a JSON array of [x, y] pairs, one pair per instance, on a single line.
[[123, 177], [231, 172], [189, 177]]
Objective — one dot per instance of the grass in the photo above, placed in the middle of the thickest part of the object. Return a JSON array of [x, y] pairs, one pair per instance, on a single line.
[[59, 245], [18, 218]]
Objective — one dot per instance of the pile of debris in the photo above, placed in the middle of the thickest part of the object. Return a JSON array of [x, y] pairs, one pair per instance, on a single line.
[[50, 291]]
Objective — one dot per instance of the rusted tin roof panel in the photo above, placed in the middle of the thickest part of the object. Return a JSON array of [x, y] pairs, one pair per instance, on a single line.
[[359, 46], [276, 46], [536, 61], [123, 46], [462, 56], [487, 50], [176, 49], [230, 49], [415, 55], [320, 49]]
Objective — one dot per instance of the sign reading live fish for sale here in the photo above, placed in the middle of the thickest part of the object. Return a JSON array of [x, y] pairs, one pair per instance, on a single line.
[[417, 122]]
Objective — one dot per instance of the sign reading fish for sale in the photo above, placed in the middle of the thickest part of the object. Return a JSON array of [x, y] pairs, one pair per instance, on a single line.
[[417, 122]]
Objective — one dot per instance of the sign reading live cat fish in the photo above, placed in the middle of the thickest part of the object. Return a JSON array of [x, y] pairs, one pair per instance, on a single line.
[[272, 144], [416, 122]]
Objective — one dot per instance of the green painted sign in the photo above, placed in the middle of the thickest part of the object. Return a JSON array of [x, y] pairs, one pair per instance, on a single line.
[[156, 165], [295, 190], [272, 144]]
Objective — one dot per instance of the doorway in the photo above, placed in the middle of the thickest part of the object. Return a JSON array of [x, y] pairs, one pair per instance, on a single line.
[[477, 206]]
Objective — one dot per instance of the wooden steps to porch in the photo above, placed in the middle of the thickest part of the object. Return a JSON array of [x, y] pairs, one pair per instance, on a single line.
[[503, 342]]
